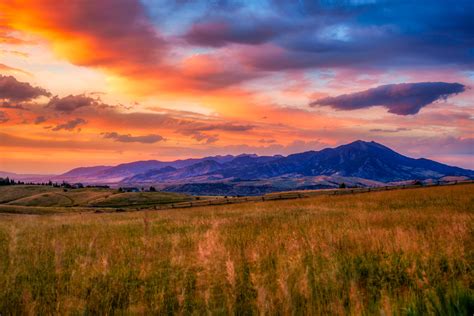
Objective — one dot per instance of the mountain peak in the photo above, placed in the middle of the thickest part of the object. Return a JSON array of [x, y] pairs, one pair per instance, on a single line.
[[361, 144], [362, 159]]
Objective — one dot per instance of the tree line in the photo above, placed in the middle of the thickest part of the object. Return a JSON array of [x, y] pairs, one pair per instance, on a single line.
[[64, 184]]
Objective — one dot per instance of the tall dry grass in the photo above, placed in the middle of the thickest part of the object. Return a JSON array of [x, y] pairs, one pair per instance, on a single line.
[[401, 252]]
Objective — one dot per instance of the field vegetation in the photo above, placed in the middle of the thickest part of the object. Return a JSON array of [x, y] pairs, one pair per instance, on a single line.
[[401, 252], [40, 199]]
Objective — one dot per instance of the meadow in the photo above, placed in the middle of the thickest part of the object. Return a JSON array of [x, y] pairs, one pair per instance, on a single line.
[[40, 199], [400, 252]]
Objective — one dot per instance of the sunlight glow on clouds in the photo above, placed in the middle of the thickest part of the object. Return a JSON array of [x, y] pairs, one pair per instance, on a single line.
[[121, 80]]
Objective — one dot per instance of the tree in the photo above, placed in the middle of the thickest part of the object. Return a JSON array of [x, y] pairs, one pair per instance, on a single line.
[[4, 181], [342, 186], [152, 189]]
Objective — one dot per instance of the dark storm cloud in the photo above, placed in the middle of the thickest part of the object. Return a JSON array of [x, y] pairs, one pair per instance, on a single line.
[[401, 99], [70, 125], [15, 91], [127, 138]]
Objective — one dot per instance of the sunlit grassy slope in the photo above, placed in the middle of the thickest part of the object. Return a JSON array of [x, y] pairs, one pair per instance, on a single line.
[[402, 252], [139, 198], [46, 199], [11, 193]]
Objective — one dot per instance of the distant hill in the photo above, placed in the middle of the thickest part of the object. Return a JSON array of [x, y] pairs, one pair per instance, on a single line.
[[26, 177], [358, 164]]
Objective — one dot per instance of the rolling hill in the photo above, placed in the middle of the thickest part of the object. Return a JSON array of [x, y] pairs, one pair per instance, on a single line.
[[31, 197]]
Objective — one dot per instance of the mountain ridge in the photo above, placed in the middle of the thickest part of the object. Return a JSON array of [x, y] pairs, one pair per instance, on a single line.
[[359, 163]]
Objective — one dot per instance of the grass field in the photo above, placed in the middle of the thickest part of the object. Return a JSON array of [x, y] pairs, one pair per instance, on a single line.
[[403, 252], [32, 199]]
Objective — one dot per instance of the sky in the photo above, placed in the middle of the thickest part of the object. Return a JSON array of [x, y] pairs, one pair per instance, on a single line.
[[102, 82]]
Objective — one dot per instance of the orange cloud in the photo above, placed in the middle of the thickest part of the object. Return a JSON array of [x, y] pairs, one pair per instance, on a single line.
[[5, 68], [116, 36], [106, 33]]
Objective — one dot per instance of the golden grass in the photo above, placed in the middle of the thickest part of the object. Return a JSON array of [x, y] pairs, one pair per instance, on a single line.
[[400, 252], [10, 193], [139, 198], [33, 199]]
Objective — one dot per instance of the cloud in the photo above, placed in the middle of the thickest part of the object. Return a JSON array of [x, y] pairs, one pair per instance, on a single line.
[[4, 117], [8, 105], [209, 139], [117, 35], [15, 91], [400, 99], [383, 130], [40, 119], [121, 38], [379, 34], [70, 125], [267, 141], [203, 72], [127, 138], [196, 130], [212, 139], [7, 38], [222, 31], [71, 102], [225, 127], [6, 68], [14, 53]]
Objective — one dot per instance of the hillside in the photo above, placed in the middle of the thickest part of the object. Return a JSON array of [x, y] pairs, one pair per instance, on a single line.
[[37, 199], [390, 252], [356, 164]]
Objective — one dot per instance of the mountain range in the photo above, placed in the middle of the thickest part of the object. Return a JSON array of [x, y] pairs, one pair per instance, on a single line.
[[356, 164]]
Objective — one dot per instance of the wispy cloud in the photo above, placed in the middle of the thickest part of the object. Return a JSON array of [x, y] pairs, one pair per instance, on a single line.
[[387, 130], [40, 119], [70, 125], [127, 138]]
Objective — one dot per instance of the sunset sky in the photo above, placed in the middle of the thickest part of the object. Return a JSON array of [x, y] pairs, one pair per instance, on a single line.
[[101, 82]]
